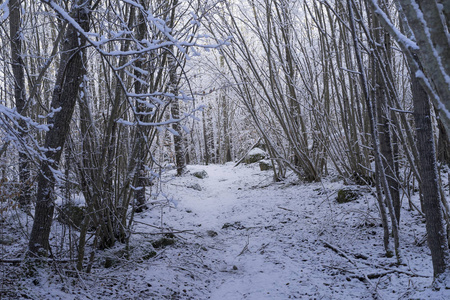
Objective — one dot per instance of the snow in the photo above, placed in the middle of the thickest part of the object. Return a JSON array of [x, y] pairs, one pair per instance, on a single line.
[[243, 237], [5, 14], [256, 151], [400, 37]]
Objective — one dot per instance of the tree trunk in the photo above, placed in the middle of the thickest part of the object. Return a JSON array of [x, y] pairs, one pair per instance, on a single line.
[[174, 80], [205, 137], [20, 97], [175, 111], [443, 149], [64, 97], [140, 131], [437, 236], [383, 117], [374, 134]]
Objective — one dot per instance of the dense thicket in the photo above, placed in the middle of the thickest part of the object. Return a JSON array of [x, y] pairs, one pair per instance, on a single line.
[[98, 98]]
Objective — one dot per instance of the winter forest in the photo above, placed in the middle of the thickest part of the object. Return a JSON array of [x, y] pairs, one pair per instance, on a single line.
[[222, 149]]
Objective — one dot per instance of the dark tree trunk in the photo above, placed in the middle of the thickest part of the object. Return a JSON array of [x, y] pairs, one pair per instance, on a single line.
[[437, 236], [226, 129], [382, 39], [175, 111], [387, 151], [64, 97], [141, 131], [20, 97], [174, 80], [443, 149], [205, 138]]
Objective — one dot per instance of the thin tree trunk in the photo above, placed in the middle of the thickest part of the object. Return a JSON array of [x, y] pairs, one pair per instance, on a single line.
[[205, 137], [175, 111], [180, 161], [383, 117], [374, 133], [64, 97], [20, 97]]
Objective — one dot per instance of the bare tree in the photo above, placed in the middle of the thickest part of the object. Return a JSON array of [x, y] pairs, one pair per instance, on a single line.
[[429, 61], [65, 93], [16, 36]]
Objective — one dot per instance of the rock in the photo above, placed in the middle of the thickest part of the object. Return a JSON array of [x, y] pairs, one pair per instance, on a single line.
[[195, 186], [265, 165], [211, 233], [255, 155], [200, 174], [347, 195]]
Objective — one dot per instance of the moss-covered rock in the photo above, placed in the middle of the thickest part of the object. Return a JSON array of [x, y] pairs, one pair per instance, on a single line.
[[347, 195], [255, 155], [200, 174], [265, 165]]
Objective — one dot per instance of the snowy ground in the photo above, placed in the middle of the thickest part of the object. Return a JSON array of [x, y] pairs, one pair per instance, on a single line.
[[243, 237]]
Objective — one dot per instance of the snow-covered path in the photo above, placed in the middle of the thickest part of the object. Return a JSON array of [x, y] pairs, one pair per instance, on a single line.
[[244, 237], [261, 240]]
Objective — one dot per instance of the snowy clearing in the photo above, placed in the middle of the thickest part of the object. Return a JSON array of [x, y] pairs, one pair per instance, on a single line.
[[241, 237]]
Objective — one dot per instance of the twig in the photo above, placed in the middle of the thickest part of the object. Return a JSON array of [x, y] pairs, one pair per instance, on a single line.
[[338, 251], [364, 277], [285, 208], [160, 228], [245, 247], [19, 260], [167, 232]]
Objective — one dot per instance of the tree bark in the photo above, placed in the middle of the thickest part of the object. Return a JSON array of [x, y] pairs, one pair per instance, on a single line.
[[205, 137], [15, 31], [175, 111], [443, 149], [383, 116], [374, 134], [174, 80], [437, 236], [64, 97]]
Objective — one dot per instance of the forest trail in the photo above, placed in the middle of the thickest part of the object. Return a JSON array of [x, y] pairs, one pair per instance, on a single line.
[[244, 237], [264, 240]]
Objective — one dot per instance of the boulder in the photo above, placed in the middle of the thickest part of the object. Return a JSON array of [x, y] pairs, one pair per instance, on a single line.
[[195, 186], [265, 165], [255, 155]]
